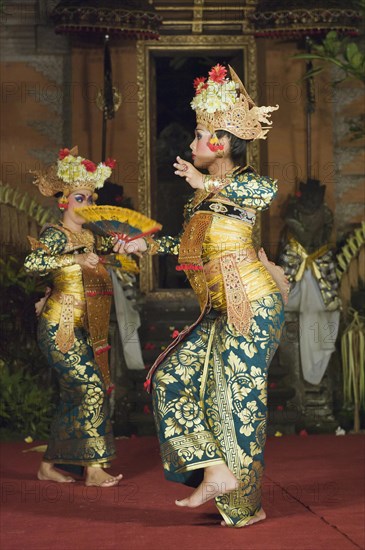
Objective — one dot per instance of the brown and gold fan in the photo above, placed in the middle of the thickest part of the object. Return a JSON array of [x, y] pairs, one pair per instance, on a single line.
[[123, 223]]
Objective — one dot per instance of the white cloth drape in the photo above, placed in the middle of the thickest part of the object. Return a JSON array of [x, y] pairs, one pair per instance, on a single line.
[[318, 327], [128, 323]]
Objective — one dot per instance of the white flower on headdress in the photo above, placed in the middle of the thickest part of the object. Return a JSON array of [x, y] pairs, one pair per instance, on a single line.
[[71, 169], [223, 103], [212, 96], [212, 104]]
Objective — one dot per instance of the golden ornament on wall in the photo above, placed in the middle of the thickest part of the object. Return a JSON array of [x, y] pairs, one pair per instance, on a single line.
[[117, 99]]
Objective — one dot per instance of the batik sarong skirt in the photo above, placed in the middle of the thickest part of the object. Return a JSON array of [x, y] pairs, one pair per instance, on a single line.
[[81, 432], [210, 404]]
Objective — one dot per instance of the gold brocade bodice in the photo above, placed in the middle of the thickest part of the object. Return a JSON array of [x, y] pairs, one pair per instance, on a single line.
[[81, 296], [228, 236], [67, 280], [215, 248]]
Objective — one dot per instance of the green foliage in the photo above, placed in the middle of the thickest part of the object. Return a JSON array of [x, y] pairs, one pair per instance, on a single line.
[[353, 365], [25, 407], [340, 52], [345, 54], [25, 203], [18, 294], [12, 273]]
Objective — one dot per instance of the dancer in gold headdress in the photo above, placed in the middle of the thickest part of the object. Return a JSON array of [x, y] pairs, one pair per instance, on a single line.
[[73, 325], [209, 386]]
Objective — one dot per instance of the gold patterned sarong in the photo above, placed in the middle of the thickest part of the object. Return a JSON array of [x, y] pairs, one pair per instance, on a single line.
[[210, 385], [81, 431]]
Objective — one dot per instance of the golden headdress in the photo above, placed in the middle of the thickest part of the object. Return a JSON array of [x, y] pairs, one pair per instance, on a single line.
[[223, 103], [73, 172]]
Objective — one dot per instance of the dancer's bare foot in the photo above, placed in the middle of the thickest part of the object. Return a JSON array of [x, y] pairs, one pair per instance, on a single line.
[[97, 477], [47, 472], [257, 517], [217, 480]]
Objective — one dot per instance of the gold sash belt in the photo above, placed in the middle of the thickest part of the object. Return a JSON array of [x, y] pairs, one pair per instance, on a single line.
[[239, 311], [65, 333]]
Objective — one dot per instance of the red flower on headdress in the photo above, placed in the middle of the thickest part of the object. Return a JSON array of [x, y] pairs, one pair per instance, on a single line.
[[199, 80], [63, 153], [89, 165], [111, 163], [200, 84], [218, 73]]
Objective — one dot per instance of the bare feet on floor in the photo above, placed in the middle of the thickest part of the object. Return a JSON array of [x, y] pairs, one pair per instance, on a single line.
[[217, 481], [47, 472], [258, 517], [97, 477]]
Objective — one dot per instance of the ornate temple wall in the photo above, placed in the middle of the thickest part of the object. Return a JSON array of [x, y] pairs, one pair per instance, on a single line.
[[48, 100], [349, 155], [87, 79], [284, 153], [34, 68]]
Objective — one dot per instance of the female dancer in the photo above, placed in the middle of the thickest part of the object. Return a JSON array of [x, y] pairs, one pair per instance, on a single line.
[[210, 385], [73, 325]]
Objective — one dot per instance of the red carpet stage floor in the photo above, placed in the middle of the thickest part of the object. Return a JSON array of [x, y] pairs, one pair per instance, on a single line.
[[313, 497]]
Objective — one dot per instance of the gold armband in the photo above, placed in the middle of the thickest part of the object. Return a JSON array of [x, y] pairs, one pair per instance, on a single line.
[[212, 185], [152, 245]]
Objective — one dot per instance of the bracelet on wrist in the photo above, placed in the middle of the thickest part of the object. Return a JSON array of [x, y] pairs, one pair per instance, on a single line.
[[152, 245], [211, 185]]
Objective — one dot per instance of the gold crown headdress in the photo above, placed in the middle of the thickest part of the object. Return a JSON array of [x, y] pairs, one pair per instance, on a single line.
[[224, 104], [73, 172]]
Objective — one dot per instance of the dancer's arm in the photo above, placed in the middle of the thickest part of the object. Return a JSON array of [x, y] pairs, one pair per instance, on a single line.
[[47, 253], [248, 189]]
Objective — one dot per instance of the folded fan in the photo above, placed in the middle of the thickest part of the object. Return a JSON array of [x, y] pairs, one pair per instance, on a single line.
[[119, 222], [122, 262]]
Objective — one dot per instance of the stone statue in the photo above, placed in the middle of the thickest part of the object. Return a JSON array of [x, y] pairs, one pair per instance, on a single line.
[[308, 218], [313, 304]]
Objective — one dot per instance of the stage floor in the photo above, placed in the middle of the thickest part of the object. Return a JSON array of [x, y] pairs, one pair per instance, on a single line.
[[313, 497]]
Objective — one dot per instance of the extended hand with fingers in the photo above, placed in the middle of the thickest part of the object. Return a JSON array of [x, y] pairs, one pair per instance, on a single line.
[[185, 169]]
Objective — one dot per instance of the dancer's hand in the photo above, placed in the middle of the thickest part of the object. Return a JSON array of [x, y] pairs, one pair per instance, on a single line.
[[185, 169], [38, 306], [277, 273], [87, 260], [119, 246], [137, 246]]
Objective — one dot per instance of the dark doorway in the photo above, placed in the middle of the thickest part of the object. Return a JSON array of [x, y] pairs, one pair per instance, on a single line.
[[174, 131]]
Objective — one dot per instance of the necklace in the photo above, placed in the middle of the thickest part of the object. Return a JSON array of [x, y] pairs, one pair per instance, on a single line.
[[82, 238]]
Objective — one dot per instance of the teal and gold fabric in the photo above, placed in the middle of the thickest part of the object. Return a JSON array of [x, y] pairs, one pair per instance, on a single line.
[[209, 387], [81, 432]]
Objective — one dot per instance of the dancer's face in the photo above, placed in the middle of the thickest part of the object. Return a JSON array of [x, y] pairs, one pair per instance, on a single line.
[[201, 155], [81, 197]]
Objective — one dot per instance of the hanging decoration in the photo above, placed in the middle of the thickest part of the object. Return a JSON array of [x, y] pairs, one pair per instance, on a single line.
[[130, 19]]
